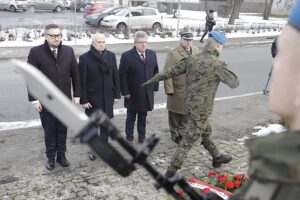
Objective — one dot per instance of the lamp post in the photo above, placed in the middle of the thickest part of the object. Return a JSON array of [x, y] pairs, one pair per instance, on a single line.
[[75, 18], [129, 19], [178, 17]]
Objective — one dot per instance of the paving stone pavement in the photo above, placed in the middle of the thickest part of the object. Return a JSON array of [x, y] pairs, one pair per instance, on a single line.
[[22, 158]]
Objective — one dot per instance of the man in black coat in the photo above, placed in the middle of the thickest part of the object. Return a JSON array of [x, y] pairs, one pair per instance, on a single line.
[[136, 66], [59, 64], [99, 77]]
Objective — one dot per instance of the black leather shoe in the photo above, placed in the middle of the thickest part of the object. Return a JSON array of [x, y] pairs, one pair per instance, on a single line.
[[50, 165], [176, 139], [92, 157], [62, 161], [222, 159]]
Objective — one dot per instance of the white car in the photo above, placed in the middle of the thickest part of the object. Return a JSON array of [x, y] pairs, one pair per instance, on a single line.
[[13, 5], [141, 18]]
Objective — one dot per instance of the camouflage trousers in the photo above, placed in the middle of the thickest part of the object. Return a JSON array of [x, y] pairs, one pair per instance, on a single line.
[[195, 129], [177, 123]]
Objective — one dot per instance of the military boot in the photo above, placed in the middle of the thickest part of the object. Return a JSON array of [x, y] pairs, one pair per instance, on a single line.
[[176, 139], [222, 159], [170, 174]]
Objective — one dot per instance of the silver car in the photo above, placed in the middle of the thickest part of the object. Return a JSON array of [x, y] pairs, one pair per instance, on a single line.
[[54, 5], [13, 5], [141, 18]]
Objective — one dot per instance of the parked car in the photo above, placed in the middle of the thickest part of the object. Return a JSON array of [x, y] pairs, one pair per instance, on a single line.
[[159, 6], [97, 8], [141, 18], [54, 5], [13, 5], [95, 19], [67, 3], [80, 5]]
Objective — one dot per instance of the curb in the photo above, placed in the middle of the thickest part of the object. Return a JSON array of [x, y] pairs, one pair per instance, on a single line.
[[118, 49]]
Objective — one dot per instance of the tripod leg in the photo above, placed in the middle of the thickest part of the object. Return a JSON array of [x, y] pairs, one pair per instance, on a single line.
[[266, 91]]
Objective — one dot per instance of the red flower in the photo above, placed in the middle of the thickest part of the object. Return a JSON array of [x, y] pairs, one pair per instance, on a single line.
[[192, 179], [222, 178], [238, 177], [205, 190], [180, 192], [211, 173], [237, 183], [229, 185]]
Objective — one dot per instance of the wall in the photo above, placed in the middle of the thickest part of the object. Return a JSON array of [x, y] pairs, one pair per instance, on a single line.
[[282, 7]]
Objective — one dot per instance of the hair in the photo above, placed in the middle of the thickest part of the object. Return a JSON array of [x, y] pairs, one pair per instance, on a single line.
[[96, 36], [212, 42], [140, 34], [51, 26]]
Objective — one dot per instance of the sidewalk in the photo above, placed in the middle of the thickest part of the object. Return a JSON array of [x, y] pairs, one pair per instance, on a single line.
[[10, 52], [22, 157]]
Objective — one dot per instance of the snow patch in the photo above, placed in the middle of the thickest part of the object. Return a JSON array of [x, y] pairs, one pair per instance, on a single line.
[[272, 128]]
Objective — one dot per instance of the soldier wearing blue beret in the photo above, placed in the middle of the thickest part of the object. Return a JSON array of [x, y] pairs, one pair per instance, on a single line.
[[204, 72]]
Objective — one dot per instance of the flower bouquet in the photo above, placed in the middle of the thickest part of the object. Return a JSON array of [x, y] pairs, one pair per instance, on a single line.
[[222, 184]]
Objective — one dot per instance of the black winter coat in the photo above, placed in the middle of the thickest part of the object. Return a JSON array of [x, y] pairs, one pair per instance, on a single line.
[[133, 72], [61, 71], [97, 88]]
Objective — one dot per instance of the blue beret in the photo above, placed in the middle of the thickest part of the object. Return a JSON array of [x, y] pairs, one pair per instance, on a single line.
[[294, 18], [218, 36]]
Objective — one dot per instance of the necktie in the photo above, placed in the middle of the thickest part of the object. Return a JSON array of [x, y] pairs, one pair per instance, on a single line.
[[54, 51], [143, 58]]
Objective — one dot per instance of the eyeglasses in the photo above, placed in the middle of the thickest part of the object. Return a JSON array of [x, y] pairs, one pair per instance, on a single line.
[[59, 36]]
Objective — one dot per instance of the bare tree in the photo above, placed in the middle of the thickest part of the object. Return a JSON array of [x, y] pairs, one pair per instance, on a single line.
[[121, 2], [267, 11], [235, 11]]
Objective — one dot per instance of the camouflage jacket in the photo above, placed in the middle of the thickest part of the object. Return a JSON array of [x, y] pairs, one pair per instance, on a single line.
[[204, 71], [275, 158]]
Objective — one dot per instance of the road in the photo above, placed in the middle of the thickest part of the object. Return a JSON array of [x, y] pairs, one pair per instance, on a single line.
[[251, 63], [67, 17]]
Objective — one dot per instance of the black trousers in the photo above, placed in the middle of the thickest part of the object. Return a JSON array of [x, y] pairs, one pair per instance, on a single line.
[[55, 134], [207, 29], [141, 124], [103, 136]]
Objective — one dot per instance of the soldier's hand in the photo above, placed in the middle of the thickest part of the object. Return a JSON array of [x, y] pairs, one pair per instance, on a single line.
[[127, 96], [87, 105], [76, 100], [149, 82], [37, 106]]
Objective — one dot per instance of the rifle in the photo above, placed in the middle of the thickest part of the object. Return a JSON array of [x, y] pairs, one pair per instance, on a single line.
[[85, 129]]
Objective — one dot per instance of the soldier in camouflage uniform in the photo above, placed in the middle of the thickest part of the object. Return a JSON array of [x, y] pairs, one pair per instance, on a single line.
[[275, 159], [204, 72], [175, 87]]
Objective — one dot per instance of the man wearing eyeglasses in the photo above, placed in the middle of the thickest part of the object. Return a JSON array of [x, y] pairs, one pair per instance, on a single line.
[[59, 64], [136, 66], [175, 87]]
